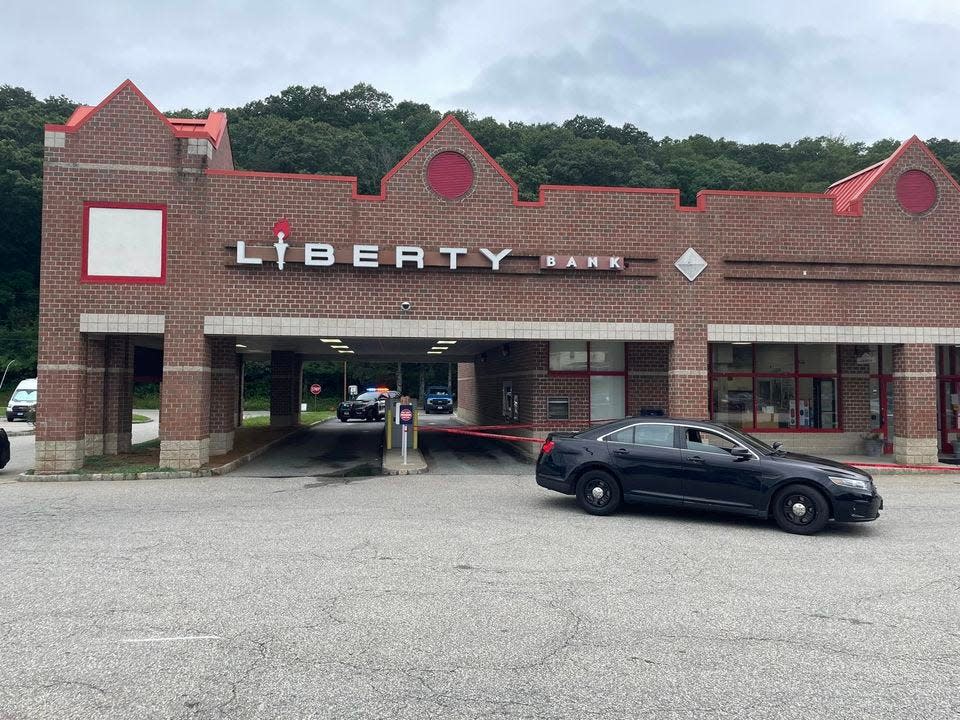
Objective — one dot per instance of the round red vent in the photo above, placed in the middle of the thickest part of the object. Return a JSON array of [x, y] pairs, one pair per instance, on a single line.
[[450, 175], [916, 191]]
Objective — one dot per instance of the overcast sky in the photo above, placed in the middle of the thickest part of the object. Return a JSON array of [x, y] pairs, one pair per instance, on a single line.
[[748, 69]]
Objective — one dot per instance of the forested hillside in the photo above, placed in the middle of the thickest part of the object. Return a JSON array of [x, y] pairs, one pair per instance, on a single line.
[[363, 132]]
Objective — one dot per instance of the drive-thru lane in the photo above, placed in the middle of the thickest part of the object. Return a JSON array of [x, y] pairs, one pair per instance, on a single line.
[[329, 449], [467, 454], [353, 449]]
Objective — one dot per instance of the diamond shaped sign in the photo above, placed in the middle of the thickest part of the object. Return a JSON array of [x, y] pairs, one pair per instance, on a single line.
[[691, 264]]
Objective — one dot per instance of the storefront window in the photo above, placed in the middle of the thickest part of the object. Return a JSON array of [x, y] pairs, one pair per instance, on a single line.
[[775, 358], [817, 404], [606, 356], [948, 399], [775, 387], [732, 401], [776, 403], [606, 397], [604, 363], [817, 359], [568, 356], [733, 357]]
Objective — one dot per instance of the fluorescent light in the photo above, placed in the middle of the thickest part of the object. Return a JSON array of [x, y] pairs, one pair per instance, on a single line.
[[330, 340], [346, 352], [434, 352], [438, 347], [446, 342], [340, 347], [239, 345]]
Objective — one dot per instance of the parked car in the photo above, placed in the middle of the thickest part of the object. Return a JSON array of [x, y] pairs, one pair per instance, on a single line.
[[23, 402], [438, 399], [703, 465], [369, 406]]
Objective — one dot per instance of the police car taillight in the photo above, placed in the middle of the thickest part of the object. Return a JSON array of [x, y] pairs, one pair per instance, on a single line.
[[547, 447]]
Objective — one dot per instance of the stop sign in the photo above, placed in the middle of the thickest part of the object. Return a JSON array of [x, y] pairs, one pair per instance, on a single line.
[[315, 389]]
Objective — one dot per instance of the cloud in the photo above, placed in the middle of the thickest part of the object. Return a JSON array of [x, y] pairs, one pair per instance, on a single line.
[[748, 70], [743, 80]]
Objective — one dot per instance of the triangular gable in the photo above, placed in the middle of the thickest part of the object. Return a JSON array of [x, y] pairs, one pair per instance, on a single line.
[[448, 120], [850, 191], [211, 128]]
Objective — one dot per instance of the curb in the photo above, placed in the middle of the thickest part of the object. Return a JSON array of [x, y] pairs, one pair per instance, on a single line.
[[165, 474], [394, 472], [419, 468], [908, 469], [114, 477], [19, 433]]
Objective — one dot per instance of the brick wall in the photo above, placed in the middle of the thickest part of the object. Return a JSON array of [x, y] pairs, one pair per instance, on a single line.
[[778, 258]]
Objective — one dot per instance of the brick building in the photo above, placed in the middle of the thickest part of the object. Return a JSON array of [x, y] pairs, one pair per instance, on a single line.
[[807, 318]]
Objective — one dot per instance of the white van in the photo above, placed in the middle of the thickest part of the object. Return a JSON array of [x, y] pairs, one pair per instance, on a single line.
[[24, 399]]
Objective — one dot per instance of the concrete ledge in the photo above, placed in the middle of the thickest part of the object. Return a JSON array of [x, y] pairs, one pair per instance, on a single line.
[[393, 462], [113, 477], [28, 429], [166, 474], [894, 469]]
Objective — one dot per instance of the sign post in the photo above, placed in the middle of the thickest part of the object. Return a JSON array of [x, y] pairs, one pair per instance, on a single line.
[[406, 420], [315, 390]]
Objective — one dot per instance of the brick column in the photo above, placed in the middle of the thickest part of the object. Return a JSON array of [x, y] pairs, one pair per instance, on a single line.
[[468, 394], [223, 394], [93, 415], [687, 364], [117, 394], [285, 375], [915, 404], [185, 398], [61, 401]]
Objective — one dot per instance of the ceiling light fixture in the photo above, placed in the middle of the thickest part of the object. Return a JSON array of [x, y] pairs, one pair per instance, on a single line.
[[331, 340], [346, 352], [446, 342], [438, 347], [239, 345], [340, 347], [434, 352]]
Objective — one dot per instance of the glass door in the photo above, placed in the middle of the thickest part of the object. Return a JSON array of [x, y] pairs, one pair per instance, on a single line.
[[949, 416]]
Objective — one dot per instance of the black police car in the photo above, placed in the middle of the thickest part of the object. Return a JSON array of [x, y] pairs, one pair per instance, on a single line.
[[369, 406], [703, 465]]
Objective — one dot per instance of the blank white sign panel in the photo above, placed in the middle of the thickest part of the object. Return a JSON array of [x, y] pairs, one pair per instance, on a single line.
[[125, 242]]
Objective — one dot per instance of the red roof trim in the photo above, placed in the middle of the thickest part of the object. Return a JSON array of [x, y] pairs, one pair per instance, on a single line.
[[844, 205], [859, 173], [850, 191], [212, 129]]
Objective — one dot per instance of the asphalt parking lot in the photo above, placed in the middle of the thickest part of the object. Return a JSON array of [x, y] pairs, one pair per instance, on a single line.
[[454, 596]]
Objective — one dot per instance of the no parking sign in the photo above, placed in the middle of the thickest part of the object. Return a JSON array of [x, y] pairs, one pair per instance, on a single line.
[[405, 415]]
